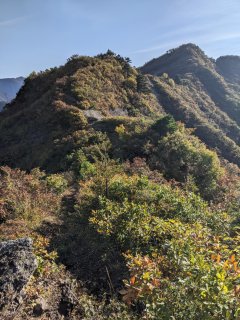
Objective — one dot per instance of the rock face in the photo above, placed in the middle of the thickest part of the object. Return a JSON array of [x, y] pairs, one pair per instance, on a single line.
[[17, 264]]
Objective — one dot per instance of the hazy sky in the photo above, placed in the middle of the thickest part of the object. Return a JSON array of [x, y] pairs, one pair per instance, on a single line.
[[37, 34]]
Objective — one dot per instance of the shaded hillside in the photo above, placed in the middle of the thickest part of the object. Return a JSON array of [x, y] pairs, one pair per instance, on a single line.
[[188, 86], [229, 68], [2, 104], [8, 89]]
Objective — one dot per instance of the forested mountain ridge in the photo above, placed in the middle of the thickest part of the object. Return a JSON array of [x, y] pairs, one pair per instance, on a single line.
[[184, 83], [127, 180]]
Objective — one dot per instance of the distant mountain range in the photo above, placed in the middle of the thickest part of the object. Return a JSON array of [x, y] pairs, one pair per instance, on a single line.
[[199, 91], [8, 89]]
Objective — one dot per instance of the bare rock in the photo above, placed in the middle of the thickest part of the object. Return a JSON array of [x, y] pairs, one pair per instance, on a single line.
[[40, 307], [68, 299], [17, 264]]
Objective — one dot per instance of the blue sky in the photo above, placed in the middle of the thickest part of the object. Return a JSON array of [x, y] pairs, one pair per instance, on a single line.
[[38, 34]]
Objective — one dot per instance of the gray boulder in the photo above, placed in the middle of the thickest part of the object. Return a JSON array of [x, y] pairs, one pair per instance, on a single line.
[[17, 264]]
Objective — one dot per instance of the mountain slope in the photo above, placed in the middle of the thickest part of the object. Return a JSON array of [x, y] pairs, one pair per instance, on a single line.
[[229, 68], [189, 63], [53, 108], [133, 217], [62, 109], [188, 86], [8, 89]]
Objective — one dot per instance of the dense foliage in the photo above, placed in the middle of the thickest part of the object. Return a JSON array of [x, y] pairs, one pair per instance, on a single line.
[[124, 202]]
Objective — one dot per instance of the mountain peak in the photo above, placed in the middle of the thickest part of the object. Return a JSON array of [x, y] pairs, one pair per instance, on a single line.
[[182, 59], [190, 47]]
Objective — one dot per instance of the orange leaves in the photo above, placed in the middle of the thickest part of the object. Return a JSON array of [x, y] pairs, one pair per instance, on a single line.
[[137, 287], [145, 277], [132, 280], [235, 266], [229, 264], [232, 261], [216, 257], [156, 282], [166, 278], [130, 293]]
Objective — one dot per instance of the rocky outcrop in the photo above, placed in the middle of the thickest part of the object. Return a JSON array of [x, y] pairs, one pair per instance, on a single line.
[[17, 264]]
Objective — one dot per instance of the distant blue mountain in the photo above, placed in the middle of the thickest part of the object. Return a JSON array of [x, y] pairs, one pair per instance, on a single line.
[[9, 87]]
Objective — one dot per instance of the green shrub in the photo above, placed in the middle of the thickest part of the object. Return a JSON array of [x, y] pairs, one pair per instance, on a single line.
[[165, 125], [196, 276], [181, 154], [26, 196], [130, 83], [57, 183]]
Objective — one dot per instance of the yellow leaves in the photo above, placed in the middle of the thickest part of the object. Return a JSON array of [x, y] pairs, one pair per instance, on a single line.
[[203, 294], [146, 276], [46, 260], [120, 129], [138, 262], [220, 276], [225, 289], [226, 265]]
